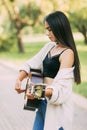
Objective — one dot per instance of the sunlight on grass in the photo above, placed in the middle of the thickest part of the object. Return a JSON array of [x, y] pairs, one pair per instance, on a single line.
[[84, 73], [81, 89], [81, 48]]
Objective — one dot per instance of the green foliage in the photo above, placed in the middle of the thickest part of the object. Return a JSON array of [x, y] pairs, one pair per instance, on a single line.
[[6, 42], [20, 17], [8, 27], [38, 28], [79, 17], [30, 12], [78, 20], [8, 36], [33, 11], [23, 11]]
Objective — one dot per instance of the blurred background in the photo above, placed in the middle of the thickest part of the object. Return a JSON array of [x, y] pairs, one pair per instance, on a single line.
[[22, 33]]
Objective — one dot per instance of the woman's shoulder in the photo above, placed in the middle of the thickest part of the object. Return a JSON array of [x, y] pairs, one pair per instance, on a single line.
[[67, 58], [67, 52]]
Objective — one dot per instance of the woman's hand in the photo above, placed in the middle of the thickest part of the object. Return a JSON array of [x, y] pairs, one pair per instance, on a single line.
[[18, 87], [29, 92], [30, 96], [48, 92]]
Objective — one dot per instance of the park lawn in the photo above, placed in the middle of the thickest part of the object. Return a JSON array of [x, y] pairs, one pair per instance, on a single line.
[[19, 58], [32, 48], [82, 51]]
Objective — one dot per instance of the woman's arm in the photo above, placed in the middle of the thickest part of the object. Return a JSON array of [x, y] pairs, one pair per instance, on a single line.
[[35, 63], [21, 76]]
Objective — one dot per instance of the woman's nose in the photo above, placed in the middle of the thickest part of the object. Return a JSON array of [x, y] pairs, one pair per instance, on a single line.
[[47, 32]]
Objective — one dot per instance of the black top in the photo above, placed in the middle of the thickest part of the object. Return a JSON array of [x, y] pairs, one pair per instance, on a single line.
[[51, 65]]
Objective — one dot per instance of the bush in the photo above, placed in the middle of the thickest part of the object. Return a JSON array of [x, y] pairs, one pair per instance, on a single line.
[[6, 42]]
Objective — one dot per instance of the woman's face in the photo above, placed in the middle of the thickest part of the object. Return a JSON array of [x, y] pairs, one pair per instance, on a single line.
[[49, 32]]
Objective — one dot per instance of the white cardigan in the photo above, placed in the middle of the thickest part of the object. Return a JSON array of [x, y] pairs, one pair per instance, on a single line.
[[59, 107]]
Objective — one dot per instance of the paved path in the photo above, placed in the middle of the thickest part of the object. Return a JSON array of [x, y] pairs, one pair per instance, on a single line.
[[12, 115]]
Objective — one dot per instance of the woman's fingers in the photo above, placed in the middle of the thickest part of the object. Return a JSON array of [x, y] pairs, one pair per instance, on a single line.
[[18, 87], [29, 93], [30, 96]]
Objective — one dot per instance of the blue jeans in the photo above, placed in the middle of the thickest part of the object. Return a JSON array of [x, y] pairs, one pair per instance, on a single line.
[[61, 128], [40, 116]]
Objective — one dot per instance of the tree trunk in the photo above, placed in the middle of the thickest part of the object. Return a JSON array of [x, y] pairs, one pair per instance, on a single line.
[[85, 39], [84, 31], [20, 44]]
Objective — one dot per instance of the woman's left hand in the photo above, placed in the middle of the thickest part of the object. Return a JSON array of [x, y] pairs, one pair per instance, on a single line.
[[29, 91]]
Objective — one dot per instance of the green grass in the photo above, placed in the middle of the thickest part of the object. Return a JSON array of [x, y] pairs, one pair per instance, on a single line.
[[81, 89], [82, 51], [19, 58], [33, 47]]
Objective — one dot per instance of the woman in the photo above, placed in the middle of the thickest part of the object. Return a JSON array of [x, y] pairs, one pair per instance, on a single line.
[[59, 63]]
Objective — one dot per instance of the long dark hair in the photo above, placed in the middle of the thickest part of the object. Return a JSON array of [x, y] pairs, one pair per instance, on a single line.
[[61, 29]]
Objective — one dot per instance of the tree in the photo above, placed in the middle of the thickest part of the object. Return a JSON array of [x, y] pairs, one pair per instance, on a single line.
[[21, 17], [79, 21]]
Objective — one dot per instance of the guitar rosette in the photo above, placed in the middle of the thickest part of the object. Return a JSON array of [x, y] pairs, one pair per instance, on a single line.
[[39, 91]]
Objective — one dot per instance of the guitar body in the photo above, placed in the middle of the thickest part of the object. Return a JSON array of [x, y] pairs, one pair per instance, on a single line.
[[32, 104]]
